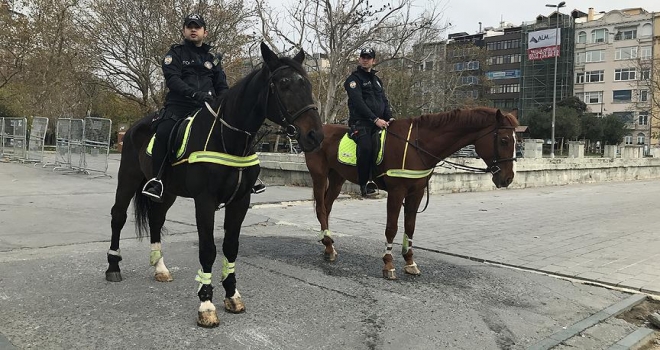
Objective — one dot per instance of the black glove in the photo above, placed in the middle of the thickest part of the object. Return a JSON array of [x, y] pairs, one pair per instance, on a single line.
[[201, 97]]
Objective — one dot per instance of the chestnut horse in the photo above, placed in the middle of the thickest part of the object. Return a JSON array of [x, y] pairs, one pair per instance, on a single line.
[[412, 149], [218, 169]]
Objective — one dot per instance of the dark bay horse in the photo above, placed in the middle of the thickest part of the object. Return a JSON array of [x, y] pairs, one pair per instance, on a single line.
[[412, 149], [219, 168]]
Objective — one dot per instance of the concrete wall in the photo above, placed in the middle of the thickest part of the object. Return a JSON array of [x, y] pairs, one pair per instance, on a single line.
[[290, 169]]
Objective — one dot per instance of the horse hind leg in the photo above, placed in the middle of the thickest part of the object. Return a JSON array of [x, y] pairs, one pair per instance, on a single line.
[[129, 180]]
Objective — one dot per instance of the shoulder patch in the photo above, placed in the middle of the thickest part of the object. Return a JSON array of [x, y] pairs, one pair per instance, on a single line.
[[167, 59], [352, 84], [208, 65]]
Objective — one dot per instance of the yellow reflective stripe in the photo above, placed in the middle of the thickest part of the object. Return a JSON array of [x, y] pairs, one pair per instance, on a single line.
[[227, 268], [150, 147], [405, 149], [203, 278], [223, 159], [410, 174], [186, 135]]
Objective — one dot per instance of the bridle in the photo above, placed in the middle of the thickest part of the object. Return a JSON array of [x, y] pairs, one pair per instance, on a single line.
[[286, 118], [494, 167]]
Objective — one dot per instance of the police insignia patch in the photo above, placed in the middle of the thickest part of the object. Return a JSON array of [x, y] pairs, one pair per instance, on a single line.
[[208, 65], [168, 59], [352, 84]]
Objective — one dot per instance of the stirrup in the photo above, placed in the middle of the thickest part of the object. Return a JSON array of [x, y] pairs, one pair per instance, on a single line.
[[371, 186], [158, 197], [259, 188]]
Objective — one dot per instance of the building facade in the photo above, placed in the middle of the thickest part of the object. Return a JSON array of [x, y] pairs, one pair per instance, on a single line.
[[504, 63], [612, 51]]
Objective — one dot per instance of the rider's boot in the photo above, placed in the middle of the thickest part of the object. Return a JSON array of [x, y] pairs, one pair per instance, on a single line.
[[154, 187]]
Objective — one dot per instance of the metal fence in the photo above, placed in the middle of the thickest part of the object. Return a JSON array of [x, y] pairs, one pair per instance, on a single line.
[[96, 145], [13, 138], [35, 150]]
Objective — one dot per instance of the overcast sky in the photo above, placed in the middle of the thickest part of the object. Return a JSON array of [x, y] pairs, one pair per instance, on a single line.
[[465, 15]]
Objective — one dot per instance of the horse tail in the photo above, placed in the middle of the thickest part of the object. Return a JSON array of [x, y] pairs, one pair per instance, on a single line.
[[141, 204]]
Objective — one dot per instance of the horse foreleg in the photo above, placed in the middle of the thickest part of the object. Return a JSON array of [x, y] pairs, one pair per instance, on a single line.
[[234, 216], [335, 181], [161, 273], [410, 215], [205, 215], [127, 184], [394, 200]]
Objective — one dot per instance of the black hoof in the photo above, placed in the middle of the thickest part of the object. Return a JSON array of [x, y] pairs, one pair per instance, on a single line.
[[113, 276]]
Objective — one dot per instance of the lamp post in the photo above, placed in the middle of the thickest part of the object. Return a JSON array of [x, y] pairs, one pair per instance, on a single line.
[[554, 81]]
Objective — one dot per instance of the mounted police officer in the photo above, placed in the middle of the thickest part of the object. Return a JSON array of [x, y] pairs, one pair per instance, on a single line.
[[369, 111], [193, 77]]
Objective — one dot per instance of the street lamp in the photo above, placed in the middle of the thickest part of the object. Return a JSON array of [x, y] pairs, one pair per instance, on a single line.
[[554, 84]]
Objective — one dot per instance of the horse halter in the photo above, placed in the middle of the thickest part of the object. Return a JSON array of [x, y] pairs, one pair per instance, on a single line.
[[494, 167], [286, 118]]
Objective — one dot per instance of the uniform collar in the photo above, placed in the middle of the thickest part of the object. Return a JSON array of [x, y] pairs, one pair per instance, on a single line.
[[205, 47], [372, 72]]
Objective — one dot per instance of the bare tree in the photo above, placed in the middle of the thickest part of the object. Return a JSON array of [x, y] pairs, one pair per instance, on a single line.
[[14, 43], [132, 37], [335, 30]]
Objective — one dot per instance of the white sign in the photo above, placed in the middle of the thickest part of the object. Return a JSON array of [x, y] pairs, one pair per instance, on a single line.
[[543, 44]]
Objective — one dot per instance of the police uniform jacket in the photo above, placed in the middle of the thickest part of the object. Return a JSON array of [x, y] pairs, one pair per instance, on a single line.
[[366, 97], [189, 69]]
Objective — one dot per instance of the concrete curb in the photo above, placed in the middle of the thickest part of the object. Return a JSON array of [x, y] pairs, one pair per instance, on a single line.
[[633, 339], [565, 334]]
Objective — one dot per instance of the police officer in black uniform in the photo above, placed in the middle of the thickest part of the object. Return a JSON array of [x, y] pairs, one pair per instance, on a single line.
[[369, 111], [193, 76]]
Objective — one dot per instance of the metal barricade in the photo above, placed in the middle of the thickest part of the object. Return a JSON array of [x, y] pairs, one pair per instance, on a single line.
[[14, 139], [76, 145], [35, 150], [61, 159], [2, 137], [96, 145]]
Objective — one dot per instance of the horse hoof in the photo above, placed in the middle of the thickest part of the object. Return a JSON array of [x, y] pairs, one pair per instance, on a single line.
[[113, 276], [330, 257], [412, 269], [389, 274], [234, 305], [163, 277], [207, 319]]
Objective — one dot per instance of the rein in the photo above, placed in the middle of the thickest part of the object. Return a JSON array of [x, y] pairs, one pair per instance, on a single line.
[[290, 129]]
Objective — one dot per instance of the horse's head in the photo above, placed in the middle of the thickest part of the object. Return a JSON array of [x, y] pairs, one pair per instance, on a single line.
[[290, 102], [498, 148]]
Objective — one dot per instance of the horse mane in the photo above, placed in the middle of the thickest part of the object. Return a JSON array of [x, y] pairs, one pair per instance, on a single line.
[[469, 117]]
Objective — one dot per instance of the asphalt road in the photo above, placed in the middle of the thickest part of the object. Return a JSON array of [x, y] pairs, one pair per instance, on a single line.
[[54, 233]]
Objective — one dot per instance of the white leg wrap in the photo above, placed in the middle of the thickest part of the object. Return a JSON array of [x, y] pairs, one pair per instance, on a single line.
[[388, 249], [160, 266]]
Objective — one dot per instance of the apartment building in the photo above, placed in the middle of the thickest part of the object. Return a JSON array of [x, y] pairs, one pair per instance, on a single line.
[[504, 50], [610, 74], [654, 82]]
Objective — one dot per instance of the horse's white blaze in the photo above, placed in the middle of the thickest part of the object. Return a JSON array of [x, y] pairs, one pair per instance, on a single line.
[[206, 306], [515, 145]]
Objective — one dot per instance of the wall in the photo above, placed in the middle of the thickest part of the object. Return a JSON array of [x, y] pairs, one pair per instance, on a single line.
[[290, 169]]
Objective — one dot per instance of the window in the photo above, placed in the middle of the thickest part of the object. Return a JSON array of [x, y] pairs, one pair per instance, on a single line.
[[628, 140], [643, 95], [625, 53], [645, 74], [640, 138], [505, 88], [595, 56], [428, 65], [599, 36], [626, 117], [469, 80], [622, 95], [590, 77], [593, 97], [643, 118], [582, 38], [472, 65], [645, 52], [625, 74], [647, 30], [626, 34], [458, 67]]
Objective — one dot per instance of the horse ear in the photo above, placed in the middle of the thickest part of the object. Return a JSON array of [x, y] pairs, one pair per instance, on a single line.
[[300, 57], [499, 115], [268, 55]]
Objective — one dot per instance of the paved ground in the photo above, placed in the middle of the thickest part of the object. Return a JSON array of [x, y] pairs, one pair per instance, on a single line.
[[54, 231]]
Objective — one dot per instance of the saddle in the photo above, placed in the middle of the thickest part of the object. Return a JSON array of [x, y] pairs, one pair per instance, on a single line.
[[347, 149], [178, 140]]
